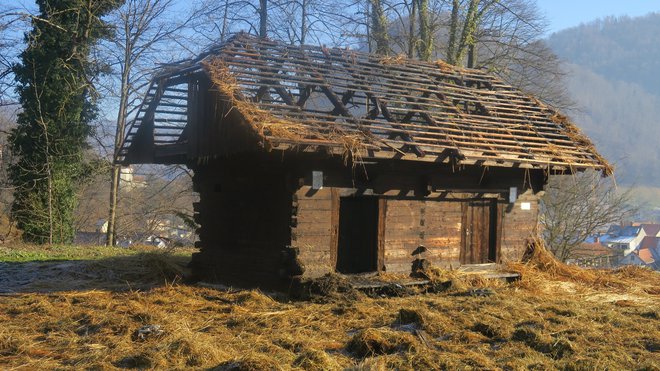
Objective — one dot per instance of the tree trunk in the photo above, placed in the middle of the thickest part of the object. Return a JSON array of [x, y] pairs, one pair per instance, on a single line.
[[303, 22], [111, 238], [223, 31], [469, 31], [379, 28], [263, 18], [50, 200], [472, 56], [425, 31], [111, 235], [412, 39], [453, 33]]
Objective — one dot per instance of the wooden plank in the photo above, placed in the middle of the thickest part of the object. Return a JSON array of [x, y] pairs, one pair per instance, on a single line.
[[397, 229], [398, 267], [313, 257], [312, 205], [398, 255], [444, 241], [321, 240], [382, 227], [334, 223], [320, 194], [305, 228], [314, 216]]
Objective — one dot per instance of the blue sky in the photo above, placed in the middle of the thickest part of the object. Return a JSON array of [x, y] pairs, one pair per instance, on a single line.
[[568, 13], [561, 14]]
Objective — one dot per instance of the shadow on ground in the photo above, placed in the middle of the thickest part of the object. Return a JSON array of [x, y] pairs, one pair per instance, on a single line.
[[133, 272]]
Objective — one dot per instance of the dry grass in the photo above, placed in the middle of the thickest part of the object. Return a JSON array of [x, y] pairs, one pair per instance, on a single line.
[[393, 60], [556, 317]]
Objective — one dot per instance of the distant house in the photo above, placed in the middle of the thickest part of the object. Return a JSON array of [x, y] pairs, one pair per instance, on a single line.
[[311, 160], [625, 244], [172, 228], [646, 255], [591, 249], [129, 181], [651, 229], [649, 252], [93, 238], [101, 226], [594, 254], [643, 257], [625, 239]]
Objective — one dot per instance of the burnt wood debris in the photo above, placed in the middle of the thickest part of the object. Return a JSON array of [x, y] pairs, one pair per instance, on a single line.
[[312, 160]]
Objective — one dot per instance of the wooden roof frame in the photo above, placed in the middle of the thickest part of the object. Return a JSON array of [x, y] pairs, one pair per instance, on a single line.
[[389, 107]]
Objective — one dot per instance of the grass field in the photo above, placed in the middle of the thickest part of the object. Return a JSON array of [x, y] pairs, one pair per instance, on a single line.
[[28, 253], [556, 317]]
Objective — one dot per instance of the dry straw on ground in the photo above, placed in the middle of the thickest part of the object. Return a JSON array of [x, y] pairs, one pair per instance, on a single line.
[[556, 317]]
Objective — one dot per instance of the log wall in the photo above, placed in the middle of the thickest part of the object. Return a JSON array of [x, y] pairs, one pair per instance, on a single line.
[[519, 226], [408, 224], [262, 224], [244, 224]]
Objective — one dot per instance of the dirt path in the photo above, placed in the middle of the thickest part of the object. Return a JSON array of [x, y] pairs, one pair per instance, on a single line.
[[116, 274], [46, 276]]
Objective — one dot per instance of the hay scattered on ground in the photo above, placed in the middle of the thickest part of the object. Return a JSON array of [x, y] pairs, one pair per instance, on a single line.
[[541, 270], [554, 318]]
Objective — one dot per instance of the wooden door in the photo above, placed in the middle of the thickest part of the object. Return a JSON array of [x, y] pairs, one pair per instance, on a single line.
[[358, 248], [480, 232]]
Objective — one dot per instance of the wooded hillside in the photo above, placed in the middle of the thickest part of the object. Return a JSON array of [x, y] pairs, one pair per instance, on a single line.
[[613, 66]]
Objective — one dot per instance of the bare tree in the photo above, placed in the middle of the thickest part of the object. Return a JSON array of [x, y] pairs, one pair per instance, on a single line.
[[7, 122], [146, 29], [13, 22], [216, 21], [150, 196], [575, 206], [301, 22], [154, 199], [502, 36], [505, 37]]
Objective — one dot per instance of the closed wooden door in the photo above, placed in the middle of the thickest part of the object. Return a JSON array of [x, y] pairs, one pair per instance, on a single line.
[[480, 232]]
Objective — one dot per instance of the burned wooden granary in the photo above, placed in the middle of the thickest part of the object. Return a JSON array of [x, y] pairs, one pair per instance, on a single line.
[[311, 160]]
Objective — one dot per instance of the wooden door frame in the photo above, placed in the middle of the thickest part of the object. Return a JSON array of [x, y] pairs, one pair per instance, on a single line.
[[334, 229], [497, 232]]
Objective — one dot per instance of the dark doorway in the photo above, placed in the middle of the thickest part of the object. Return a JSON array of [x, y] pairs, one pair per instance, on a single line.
[[357, 248], [480, 233]]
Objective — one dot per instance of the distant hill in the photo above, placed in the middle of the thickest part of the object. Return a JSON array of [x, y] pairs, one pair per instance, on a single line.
[[614, 67]]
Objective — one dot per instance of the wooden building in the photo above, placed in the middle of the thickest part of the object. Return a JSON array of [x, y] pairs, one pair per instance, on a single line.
[[311, 160]]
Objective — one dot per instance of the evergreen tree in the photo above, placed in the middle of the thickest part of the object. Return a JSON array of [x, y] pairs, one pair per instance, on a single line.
[[54, 85]]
